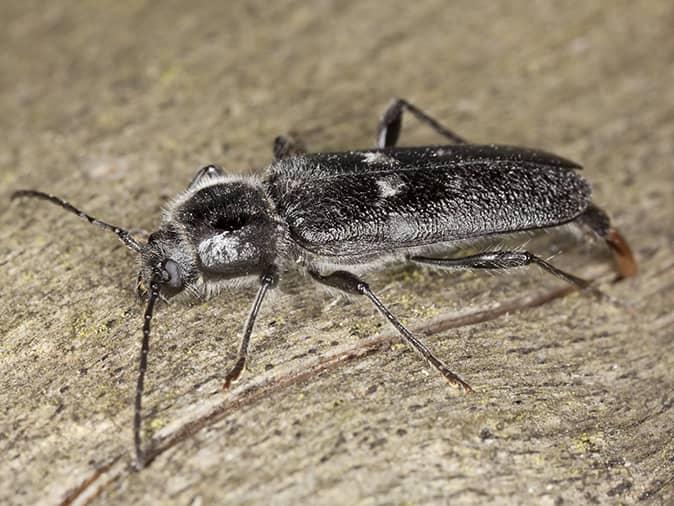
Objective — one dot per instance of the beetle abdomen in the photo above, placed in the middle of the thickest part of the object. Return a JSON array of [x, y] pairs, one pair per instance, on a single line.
[[395, 205]]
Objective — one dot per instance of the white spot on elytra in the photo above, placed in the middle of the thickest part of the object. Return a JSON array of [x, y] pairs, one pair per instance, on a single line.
[[440, 152], [377, 157], [388, 188]]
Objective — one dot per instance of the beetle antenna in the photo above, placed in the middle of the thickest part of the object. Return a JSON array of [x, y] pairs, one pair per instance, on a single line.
[[142, 365], [123, 234]]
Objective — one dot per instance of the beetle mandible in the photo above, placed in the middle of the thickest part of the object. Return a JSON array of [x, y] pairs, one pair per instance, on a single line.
[[338, 215]]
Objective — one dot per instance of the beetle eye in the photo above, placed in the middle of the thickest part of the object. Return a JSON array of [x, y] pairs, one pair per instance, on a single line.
[[172, 272]]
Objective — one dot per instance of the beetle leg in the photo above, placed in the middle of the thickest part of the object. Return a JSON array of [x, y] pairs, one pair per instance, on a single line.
[[205, 172], [285, 147], [390, 124], [349, 283], [267, 281], [501, 260], [507, 260]]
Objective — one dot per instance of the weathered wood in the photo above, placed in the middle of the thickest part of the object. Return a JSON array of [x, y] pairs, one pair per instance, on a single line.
[[115, 106]]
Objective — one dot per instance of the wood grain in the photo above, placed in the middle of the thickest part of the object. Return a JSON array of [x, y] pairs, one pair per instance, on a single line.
[[115, 105]]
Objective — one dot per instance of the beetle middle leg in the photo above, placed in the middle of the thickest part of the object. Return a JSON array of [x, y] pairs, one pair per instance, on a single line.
[[349, 283], [390, 124], [267, 281]]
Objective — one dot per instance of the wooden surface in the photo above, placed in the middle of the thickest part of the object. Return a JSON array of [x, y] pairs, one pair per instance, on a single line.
[[114, 105]]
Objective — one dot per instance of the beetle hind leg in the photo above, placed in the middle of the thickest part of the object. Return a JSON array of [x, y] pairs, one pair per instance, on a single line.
[[390, 124], [504, 260], [511, 260], [622, 253], [596, 220]]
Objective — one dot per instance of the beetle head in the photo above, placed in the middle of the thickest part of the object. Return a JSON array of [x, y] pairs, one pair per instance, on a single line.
[[170, 258]]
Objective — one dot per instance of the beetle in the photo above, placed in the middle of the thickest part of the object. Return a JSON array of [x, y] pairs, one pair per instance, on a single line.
[[336, 216]]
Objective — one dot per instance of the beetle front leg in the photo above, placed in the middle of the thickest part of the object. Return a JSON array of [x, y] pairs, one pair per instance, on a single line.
[[349, 283], [267, 281], [390, 124], [205, 172]]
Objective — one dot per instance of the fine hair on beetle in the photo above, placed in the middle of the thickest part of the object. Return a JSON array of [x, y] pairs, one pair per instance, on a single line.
[[336, 216]]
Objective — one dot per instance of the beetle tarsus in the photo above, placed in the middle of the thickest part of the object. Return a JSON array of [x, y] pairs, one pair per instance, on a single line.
[[234, 373], [139, 462]]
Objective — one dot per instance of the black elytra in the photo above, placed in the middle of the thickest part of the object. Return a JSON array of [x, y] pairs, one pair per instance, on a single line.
[[338, 215]]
